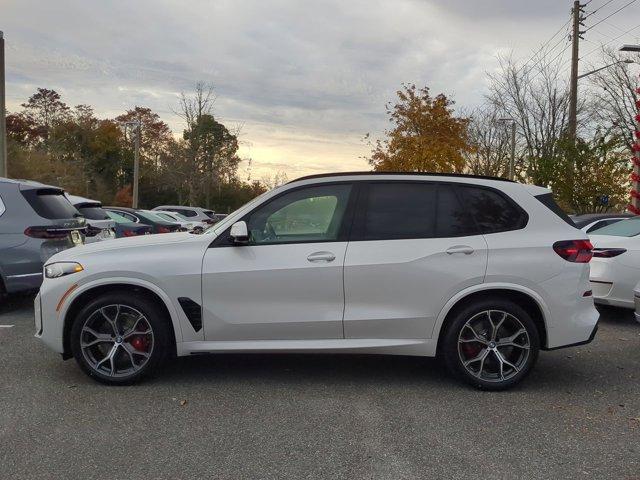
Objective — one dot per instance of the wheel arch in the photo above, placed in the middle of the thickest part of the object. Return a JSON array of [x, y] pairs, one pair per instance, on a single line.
[[531, 302], [85, 294]]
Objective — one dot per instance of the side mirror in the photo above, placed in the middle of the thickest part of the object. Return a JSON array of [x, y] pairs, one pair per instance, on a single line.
[[239, 233]]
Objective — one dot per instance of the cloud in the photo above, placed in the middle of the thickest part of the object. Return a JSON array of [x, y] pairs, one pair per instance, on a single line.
[[306, 79]]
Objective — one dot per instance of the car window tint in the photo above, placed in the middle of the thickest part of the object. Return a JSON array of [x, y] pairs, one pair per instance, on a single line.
[[50, 203], [187, 213], [492, 211], [548, 201], [400, 210], [306, 215], [94, 213], [2, 207], [452, 219]]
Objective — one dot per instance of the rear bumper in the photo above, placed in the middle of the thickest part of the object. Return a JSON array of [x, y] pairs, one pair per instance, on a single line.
[[636, 298], [577, 344], [612, 283]]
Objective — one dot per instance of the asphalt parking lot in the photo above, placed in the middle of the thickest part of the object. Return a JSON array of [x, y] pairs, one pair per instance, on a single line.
[[313, 416]]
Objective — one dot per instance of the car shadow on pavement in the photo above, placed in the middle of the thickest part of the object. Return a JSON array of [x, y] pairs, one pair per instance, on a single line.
[[16, 302]]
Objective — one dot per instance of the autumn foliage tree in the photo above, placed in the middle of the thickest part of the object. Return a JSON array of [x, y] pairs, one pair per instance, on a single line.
[[427, 135]]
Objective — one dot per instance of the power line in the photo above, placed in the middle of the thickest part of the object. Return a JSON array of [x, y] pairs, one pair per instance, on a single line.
[[541, 49], [611, 15], [611, 41], [597, 9]]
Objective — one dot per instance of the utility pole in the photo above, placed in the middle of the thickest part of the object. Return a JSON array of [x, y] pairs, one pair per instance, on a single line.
[[3, 114], [136, 165], [573, 88]]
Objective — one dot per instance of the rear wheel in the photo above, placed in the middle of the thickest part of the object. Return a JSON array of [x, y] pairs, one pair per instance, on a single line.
[[119, 338], [492, 344]]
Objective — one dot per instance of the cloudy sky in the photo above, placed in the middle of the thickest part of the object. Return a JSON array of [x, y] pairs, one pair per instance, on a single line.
[[306, 80]]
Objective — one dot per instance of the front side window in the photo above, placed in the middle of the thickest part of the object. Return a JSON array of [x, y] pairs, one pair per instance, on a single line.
[[405, 210], [311, 214], [492, 211]]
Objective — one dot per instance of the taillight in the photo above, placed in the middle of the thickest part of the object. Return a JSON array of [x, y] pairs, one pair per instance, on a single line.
[[129, 233], [163, 230], [576, 251], [608, 252], [46, 233], [210, 221]]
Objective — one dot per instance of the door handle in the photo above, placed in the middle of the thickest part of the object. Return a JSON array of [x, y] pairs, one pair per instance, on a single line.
[[321, 257], [466, 249]]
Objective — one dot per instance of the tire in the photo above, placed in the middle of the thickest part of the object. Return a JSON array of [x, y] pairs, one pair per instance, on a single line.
[[491, 344], [138, 347]]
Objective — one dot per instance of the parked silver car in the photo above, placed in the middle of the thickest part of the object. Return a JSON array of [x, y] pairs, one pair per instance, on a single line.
[[36, 222], [193, 214], [100, 226]]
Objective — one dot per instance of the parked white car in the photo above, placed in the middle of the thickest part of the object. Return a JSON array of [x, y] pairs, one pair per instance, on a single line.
[[483, 272], [615, 269]]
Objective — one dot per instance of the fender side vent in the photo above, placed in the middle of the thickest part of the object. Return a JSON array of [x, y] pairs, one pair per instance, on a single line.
[[193, 312]]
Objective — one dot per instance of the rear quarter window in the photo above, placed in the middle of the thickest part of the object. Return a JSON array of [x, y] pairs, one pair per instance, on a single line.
[[50, 204], [548, 201], [492, 211]]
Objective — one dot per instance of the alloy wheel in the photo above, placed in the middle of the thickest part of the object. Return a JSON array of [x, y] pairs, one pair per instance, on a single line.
[[116, 340], [493, 346]]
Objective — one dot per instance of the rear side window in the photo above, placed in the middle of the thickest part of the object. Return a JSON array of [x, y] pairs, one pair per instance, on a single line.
[[186, 213], [50, 203], [414, 210], [209, 213], [2, 207], [492, 211], [94, 213], [548, 201]]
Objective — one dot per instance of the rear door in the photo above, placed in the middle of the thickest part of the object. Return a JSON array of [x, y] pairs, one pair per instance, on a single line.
[[413, 246]]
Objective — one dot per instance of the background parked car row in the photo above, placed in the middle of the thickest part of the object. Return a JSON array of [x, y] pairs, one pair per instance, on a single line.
[[38, 221]]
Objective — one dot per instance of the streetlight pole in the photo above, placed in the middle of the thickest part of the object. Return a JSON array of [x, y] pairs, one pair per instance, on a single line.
[[136, 162], [3, 114], [512, 158], [136, 166]]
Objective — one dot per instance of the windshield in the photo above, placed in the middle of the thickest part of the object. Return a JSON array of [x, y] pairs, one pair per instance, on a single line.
[[50, 203], [117, 218], [152, 216], [166, 216], [623, 228]]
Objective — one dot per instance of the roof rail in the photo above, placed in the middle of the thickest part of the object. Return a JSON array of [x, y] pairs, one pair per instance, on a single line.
[[422, 174]]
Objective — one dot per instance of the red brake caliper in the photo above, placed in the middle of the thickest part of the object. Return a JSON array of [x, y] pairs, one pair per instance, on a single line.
[[471, 350], [140, 343]]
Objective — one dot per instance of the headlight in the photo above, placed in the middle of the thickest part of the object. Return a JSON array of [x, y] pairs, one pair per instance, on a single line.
[[61, 269]]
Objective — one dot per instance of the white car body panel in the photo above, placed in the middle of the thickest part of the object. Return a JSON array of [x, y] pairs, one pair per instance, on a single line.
[[613, 279], [271, 298]]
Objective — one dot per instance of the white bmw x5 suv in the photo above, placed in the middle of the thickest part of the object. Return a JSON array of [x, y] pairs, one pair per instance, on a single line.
[[483, 272]]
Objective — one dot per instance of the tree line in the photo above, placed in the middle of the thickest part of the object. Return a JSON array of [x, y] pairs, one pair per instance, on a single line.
[[72, 148], [590, 174]]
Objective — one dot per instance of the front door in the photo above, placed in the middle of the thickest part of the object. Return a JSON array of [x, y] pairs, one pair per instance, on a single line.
[[287, 283]]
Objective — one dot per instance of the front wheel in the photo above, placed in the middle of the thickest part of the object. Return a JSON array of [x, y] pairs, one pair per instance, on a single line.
[[119, 338], [492, 344]]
